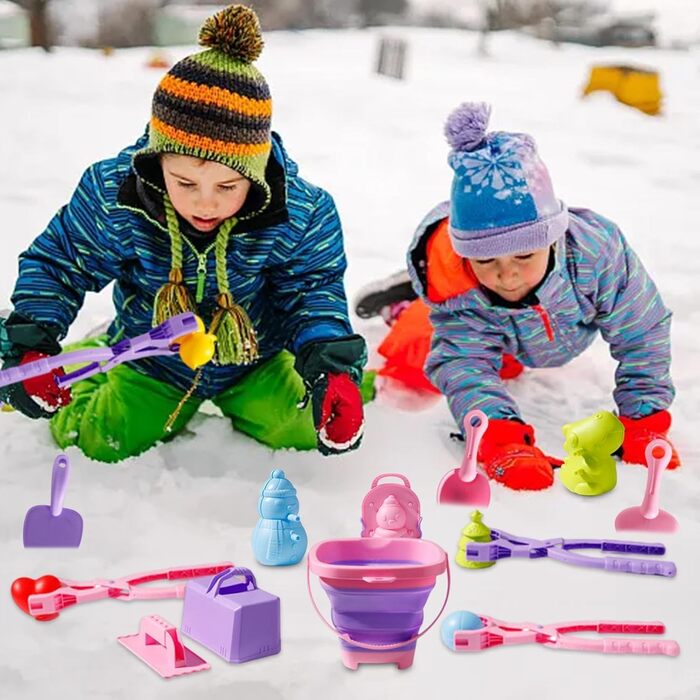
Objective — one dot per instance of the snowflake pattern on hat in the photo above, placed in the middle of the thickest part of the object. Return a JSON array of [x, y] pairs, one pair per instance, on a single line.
[[500, 168]]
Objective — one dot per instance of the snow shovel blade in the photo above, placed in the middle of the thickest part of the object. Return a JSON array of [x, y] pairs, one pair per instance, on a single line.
[[633, 519], [42, 529], [54, 525], [464, 485], [457, 492]]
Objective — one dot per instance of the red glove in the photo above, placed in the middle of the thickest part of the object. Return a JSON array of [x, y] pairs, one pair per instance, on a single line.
[[38, 397], [511, 368], [639, 432], [338, 414], [509, 455]]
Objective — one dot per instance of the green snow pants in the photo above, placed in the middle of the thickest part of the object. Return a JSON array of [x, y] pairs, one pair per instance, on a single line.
[[122, 413]]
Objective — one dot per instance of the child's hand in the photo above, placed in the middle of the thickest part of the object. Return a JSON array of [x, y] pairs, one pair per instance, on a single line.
[[38, 397], [22, 341], [639, 432], [332, 371], [338, 414], [509, 455]]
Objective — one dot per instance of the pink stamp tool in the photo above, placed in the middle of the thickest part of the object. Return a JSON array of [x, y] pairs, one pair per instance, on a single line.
[[158, 644]]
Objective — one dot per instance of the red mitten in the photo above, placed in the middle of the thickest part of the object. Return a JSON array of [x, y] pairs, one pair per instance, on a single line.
[[639, 432], [509, 455], [511, 368], [338, 414], [38, 397]]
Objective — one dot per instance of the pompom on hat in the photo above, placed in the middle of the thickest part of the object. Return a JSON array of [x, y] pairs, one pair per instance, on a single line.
[[502, 200]]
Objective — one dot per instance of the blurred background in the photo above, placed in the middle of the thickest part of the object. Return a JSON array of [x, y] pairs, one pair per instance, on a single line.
[[123, 23]]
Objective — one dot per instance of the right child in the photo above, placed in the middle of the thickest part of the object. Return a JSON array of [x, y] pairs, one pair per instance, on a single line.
[[505, 267]]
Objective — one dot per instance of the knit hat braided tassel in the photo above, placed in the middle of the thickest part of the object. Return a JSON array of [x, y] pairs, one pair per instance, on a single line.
[[173, 297], [236, 342]]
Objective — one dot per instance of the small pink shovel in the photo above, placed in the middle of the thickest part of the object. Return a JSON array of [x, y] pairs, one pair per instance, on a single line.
[[465, 486], [649, 516]]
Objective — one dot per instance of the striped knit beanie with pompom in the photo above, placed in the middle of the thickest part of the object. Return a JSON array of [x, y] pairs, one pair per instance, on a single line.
[[216, 104]]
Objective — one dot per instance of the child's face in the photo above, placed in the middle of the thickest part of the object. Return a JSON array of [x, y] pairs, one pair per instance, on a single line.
[[512, 277], [203, 192]]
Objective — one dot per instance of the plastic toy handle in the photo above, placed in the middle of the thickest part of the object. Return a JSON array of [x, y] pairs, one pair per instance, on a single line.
[[377, 647], [655, 468], [406, 482], [656, 647], [639, 566], [59, 483], [379, 579], [215, 583], [164, 634], [12, 375], [475, 425]]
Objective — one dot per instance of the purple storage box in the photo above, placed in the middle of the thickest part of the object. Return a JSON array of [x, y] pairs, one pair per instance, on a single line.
[[237, 621]]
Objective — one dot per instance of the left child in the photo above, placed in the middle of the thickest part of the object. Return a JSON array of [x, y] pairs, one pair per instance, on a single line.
[[205, 213]]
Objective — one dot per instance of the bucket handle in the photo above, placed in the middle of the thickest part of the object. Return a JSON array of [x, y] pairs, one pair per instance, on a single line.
[[406, 482], [376, 647], [215, 583]]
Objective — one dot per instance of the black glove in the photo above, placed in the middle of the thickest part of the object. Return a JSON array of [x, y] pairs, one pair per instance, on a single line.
[[22, 340], [332, 372]]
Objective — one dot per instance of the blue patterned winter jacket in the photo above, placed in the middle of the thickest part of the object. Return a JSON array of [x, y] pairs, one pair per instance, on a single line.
[[288, 276], [597, 283]]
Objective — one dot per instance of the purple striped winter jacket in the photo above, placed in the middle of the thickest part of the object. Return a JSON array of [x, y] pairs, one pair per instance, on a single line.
[[597, 284]]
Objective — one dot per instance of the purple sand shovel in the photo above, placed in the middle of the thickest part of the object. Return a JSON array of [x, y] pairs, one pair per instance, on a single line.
[[649, 516], [54, 525], [465, 486]]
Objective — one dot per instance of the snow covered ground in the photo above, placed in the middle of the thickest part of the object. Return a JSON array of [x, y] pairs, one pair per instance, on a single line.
[[377, 146]]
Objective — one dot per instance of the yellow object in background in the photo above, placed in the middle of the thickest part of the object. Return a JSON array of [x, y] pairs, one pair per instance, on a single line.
[[636, 87], [158, 59]]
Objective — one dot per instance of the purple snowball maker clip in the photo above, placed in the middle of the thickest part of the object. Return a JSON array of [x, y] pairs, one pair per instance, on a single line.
[[180, 335], [504, 545]]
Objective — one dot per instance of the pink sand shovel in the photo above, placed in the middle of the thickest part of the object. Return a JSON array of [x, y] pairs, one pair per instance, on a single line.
[[465, 486], [649, 516]]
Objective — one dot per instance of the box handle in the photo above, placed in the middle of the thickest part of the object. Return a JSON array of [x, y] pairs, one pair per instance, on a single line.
[[215, 589]]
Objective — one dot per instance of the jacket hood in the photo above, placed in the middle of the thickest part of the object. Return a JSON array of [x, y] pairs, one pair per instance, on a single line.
[[144, 187]]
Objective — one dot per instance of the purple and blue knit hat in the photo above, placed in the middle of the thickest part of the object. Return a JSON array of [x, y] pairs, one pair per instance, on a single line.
[[502, 200]]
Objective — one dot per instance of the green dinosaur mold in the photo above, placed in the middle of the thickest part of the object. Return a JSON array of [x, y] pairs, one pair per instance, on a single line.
[[589, 470]]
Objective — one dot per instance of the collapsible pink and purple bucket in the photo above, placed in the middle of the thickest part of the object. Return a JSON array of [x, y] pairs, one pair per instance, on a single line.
[[377, 587]]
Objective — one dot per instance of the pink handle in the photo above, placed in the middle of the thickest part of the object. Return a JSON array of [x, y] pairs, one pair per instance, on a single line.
[[379, 579], [406, 482], [655, 466], [665, 647], [475, 425], [376, 647], [128, 588], [163, 633]]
